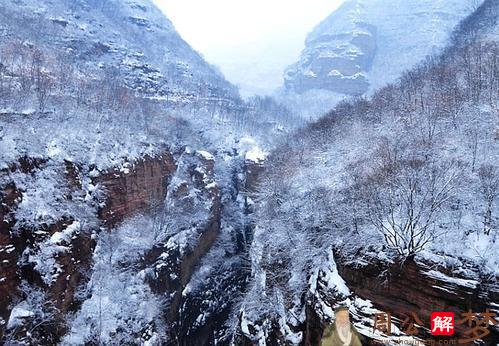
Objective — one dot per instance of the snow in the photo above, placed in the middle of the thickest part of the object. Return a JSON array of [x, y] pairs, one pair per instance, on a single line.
[[403, 33], [311, 104], [312, 190], [8, 249], [332, 278], [206, 155], [310, 73], [172, 99], [119, 297], [18, 314], [422, 28], [354, 76], [335, 73], [456, 281], [256, 155], [293, 233], [211, 186], [245, 324], [53, 150], [66, 234]]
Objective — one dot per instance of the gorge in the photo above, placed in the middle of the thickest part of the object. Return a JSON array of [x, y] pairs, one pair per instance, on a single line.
[[144, 202]]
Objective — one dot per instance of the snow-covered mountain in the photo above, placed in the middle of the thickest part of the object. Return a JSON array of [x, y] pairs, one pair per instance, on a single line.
[[139, 207], [133, 37], [359, 193], [366, 44], [118, 144]]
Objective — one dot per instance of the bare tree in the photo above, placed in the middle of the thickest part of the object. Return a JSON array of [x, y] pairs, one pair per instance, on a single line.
[[162, 224], [404, 195], [44, 85], [64, 71], [489, 186], [4, 91]]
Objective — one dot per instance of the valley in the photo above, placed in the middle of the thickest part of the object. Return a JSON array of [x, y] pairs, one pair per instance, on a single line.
[[143, 201]]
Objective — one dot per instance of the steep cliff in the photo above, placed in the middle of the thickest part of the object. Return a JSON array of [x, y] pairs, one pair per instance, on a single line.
[[131, 38], [107, 120], [135, 187], [421, 286], [135, 208], [365, 45], [57, 259]]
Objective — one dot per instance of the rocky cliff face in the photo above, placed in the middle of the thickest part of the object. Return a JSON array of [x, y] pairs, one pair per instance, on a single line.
[[135, 187], [52, 254], [423, 286], [171, 264], [209, 301], [102, 202], [8, 254], [366, 44], [66, 245], [417, 286], [336, 60], [130, 41], [182, 185]]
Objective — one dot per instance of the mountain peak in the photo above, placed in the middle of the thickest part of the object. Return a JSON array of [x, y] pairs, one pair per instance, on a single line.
[[364, 45]]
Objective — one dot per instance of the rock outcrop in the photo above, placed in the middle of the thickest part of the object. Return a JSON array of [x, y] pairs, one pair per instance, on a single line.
[[336, 60], [135, 187], [170, 264], [364, 45], [9, 279], [56, 257], [416, 286]]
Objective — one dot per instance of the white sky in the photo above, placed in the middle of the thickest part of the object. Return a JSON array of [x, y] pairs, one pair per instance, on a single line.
[[252, 41]]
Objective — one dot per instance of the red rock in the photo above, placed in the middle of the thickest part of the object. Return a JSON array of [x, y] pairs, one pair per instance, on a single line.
[[131, 192]]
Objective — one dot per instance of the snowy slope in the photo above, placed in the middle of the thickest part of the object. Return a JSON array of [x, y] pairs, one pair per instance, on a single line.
[[318, 206], [133, 36], [366, 44], [122, 54], [89, 90]]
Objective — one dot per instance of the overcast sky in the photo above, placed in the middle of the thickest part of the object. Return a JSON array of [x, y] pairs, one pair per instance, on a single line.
[[252, 41]]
